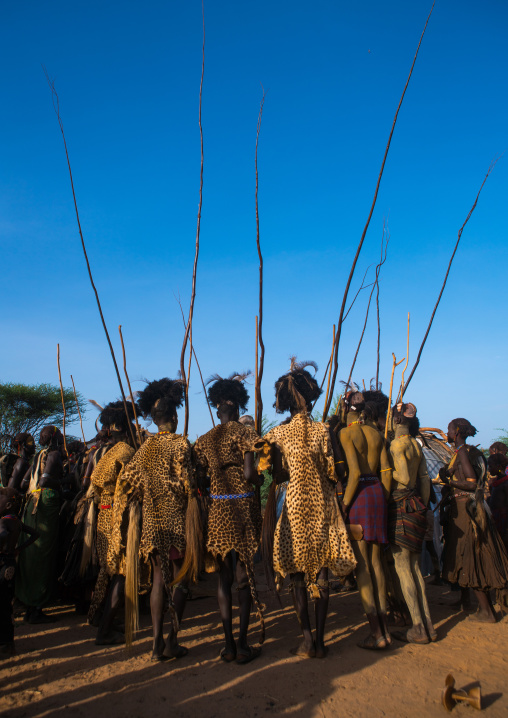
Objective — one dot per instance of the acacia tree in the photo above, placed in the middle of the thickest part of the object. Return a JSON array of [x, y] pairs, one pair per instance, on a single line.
[[28, 407]]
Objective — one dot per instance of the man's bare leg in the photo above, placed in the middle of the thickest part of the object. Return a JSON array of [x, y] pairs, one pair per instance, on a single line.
[[107, 635], [180, 592], [157, 608], [321, 611], [377, 639], [300, 602], [226, 577], [403, 561], [379, 584], [422, 596], [245, 601], [485, 612]]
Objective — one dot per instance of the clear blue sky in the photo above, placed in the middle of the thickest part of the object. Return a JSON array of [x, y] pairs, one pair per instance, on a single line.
[[128, 78]]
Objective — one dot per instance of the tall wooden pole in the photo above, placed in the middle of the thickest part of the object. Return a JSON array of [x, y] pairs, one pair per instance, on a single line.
[[133, 403], [446, 276], [188, 328], [56, 106], [360, 245], [256, 416], [62, 395], [259, 318], [79, 412], [401, 390], [394, 366]]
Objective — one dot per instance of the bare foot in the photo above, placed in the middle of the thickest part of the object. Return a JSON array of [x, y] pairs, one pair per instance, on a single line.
[[177, 651], [247, 655], [372, 643], [321, 650], [304, 650], [483, 617]]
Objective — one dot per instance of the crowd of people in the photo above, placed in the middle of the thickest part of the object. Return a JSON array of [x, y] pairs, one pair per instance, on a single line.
[[356, 498]]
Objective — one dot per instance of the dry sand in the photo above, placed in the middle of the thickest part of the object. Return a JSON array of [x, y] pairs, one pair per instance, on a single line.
[[59, 668]]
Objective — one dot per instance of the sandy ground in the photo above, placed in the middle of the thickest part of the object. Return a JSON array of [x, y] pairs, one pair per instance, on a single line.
[[59, 668]]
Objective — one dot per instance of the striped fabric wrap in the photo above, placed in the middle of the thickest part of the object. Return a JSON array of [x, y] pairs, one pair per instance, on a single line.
[[407, 521]]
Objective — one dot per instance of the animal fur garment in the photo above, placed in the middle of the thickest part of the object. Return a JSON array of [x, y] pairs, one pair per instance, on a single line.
[[234, 518], [310, 533], [161, 476]]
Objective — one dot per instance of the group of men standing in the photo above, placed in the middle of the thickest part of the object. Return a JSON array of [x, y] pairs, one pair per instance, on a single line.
[[343, 499]]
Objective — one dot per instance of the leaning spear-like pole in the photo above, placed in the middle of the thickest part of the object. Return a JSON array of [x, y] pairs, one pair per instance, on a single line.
[[401, 390], [188, 328], [79, 410], [199, 368], [360, 245], [56, 106], [377, 311], [133, 403], [62, 395], [394, 366], [378, 270], [446, 277], [260, 367]]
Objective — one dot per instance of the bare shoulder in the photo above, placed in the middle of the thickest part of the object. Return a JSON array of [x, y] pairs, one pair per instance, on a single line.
[[372, 435]]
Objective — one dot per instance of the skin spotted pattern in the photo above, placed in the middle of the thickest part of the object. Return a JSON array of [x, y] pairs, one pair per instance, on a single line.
[[161, 475], [310, 533], [104, 479], [233, 524]]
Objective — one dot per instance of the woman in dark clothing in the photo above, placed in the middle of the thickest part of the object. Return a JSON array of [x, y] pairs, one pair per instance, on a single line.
[[35, 580], [474, 555]]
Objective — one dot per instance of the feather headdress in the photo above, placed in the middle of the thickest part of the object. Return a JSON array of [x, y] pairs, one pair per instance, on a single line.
[[297, 389], [228, 391]]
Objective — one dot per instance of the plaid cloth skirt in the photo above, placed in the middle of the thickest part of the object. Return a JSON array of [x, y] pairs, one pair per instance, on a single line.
[[407, 520], [369, 509]]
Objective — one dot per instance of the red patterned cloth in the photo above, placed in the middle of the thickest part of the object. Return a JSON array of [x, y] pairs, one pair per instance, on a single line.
[[369, 509]]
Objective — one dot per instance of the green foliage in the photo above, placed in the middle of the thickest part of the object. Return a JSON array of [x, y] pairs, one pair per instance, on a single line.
[[503, 437], [29, 407], [266, 487], [266, 425], [318, 415]]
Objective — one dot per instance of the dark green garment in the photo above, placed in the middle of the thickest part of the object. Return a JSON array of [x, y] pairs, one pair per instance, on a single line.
[[36, 579]]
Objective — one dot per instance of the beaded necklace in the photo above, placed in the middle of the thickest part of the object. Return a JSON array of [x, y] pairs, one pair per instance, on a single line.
[[353, 422], [160, 433]]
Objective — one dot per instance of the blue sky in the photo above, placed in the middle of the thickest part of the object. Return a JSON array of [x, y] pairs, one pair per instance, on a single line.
[[128, 78]]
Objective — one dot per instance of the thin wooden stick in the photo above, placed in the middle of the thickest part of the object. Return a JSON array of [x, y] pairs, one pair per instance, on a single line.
[[330, 363], [199, 368], [62, 395], [446, 275], [401, 390], [56, 107], [358, 292], [338, 406], [377, 308], [378, 270], [256, 418], [190, 359], [259, 320], [360, 245], [138, 429], [395, 365], [77, 406], [185, 379]]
